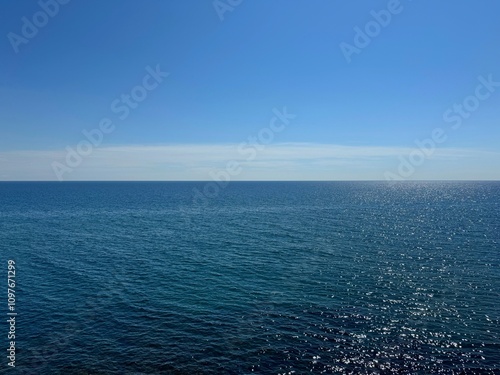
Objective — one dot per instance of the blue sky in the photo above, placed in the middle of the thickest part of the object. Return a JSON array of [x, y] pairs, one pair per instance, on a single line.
[[352, 120]]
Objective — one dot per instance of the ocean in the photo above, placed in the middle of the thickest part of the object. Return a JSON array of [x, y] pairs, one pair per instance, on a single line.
[[263, 278]]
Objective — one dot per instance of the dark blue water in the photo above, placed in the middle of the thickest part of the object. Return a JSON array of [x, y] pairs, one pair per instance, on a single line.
[[267, 278]]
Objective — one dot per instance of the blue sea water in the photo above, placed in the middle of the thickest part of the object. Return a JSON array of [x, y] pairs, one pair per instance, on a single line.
[[266, 278]]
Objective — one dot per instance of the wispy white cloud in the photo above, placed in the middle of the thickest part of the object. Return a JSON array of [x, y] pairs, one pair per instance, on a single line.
[[286, 161]]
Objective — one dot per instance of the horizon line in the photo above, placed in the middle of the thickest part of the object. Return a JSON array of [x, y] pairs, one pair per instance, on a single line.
[[238, 181]]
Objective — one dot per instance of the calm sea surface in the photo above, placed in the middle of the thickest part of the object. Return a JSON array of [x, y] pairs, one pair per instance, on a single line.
[[266, 278]]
